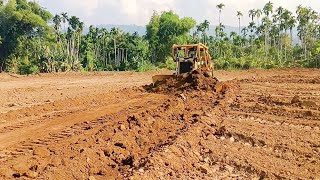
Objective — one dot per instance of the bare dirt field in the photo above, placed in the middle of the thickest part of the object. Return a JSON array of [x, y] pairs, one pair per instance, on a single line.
[[256, 124]]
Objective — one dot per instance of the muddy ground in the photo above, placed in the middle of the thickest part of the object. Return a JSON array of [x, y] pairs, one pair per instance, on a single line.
[[257, 124]]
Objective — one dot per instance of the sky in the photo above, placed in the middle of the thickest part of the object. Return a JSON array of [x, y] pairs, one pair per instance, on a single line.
[[138, 12]]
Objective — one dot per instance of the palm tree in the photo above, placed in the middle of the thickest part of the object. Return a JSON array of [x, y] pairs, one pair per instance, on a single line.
[[244, 33], [291, 24], [64, 18], [303, 19], [206, 26], [278, 19], [252, 14], [288, 23], [220, 7], [233, 35], [57, 24], [239, 15], [258, 14], [251, 28], [199, 29], [267, 10]]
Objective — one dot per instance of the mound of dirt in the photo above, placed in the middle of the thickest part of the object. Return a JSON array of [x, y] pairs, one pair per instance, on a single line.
[[197, 80]]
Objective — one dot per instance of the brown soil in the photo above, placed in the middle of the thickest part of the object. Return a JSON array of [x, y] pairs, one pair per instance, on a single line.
[[259, 124]]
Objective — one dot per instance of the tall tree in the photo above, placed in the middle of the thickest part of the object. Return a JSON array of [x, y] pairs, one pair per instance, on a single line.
[[258, 14], [64, 19], [167, 30], [252, 14], [205, 26], [19, 19], [220, 8], [267, 10], [219, 28], [57, 24], [239, 15]]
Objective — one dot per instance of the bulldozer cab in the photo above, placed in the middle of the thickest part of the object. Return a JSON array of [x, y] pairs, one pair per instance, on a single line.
[[188, 58], [191, 57]]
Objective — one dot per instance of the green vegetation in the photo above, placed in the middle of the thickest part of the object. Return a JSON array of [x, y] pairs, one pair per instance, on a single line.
[[32, 40]]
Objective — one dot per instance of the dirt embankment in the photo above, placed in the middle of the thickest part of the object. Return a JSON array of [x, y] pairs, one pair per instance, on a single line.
[[193, 127]]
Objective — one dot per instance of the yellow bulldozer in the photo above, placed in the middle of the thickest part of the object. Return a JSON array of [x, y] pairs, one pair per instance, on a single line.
[[189, 58]]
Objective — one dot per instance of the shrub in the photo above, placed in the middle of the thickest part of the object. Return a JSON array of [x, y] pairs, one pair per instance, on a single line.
[[168, 64], [145, 66]]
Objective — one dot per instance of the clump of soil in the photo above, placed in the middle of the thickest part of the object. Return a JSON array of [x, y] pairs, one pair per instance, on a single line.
[[196, 80]]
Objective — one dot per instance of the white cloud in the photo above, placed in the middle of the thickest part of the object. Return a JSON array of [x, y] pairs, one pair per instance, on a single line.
[[139, 11]]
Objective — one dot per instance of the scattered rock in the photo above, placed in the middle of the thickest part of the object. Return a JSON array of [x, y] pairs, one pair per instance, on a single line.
[[56, 162], [206, 160], [207, 114], [101, 154], [203, 169], [41, 151], [229, 168], [232, 139], [122, 127], [92, 178], [208, 151], [141, 170], [12, 105], [308, 104], [21, 168], [295, 100], [183, 97], [308, 113], [32, 174], [5, 172]]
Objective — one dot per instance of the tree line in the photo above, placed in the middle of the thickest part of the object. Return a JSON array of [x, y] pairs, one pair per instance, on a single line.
[[32, 40]]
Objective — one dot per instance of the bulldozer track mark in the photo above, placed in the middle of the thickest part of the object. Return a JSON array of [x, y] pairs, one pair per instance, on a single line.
[[74, 127], [264, 127]]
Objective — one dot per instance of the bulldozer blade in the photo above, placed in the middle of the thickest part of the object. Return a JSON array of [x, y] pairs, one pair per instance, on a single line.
[[160, 78]]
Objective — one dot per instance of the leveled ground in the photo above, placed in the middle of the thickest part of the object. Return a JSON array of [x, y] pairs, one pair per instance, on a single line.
[[259, 124]]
